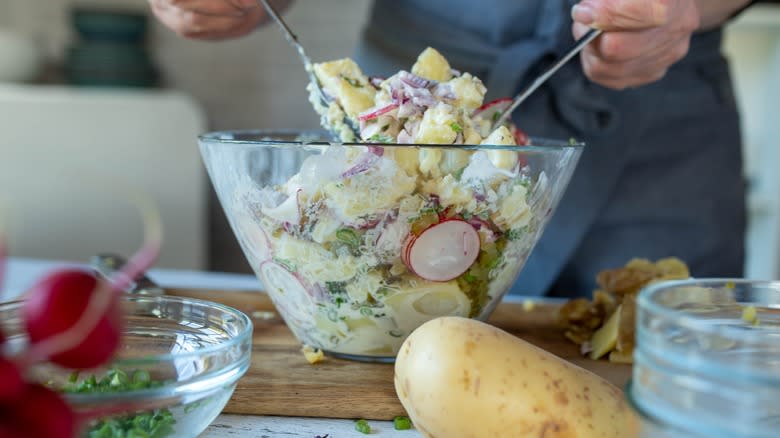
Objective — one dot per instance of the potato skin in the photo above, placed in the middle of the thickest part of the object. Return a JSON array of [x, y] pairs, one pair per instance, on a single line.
[[458, 377]]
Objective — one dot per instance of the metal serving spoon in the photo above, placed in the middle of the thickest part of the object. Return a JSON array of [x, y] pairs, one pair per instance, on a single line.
[[578, 46], [107, 265], [308, 66]]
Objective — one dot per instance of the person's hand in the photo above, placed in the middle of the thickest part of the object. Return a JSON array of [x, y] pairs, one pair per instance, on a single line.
[[209, 19], [642, 38]]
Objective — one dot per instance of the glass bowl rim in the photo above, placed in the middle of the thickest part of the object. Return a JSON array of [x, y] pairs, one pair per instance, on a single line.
[[646, 303], [245, 332], [216, 137]]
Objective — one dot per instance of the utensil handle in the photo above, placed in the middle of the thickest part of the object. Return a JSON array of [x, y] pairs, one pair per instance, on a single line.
[[288, 33], [107, 265], [578, 46]]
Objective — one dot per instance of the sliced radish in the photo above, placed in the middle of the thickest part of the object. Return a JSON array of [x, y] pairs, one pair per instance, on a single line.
[[521, 138], [256, 239], [288, 292], [406, 248], [443, 251], [487, 110]]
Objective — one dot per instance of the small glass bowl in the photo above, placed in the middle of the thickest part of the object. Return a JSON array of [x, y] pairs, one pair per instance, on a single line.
[[707, 362], [193, 351]]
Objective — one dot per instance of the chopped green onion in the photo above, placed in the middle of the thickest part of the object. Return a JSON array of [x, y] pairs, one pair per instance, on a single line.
[[336, 287], [456, 127], [354, 82], [156, 423], [380, 138], [286, 264], [348, 237], [516, 233], [141, 376], [362, 426], [402, 423]]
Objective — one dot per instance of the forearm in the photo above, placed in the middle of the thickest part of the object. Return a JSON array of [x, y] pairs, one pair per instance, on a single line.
[[715, 12]]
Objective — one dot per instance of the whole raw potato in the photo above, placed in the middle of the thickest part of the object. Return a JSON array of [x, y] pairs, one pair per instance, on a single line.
[[459, 377]]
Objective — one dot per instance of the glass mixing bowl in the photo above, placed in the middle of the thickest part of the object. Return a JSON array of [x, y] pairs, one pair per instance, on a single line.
[[359, 244], [176, 369]]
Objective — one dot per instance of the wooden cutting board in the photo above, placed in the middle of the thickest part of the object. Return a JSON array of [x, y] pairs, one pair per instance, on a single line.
[[281, 382]]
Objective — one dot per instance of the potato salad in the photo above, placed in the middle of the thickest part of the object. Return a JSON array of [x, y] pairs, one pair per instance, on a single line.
[[369, 241], [431, 104]]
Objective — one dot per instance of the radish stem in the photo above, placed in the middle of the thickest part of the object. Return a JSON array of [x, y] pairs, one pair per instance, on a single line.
[[102, 297]]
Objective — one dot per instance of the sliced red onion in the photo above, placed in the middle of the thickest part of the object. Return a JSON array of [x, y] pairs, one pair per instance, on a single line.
[[415, 81], [479, 223], [365, 224], [376, 81], [435, 200], [376, 112], [422, 97], [444, 92], [367, 161], [376, 150]]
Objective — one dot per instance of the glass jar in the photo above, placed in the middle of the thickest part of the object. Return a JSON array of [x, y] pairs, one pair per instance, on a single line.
[[707, 361]]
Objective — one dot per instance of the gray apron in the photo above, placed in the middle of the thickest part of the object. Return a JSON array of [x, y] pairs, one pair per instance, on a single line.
[[661, 174]]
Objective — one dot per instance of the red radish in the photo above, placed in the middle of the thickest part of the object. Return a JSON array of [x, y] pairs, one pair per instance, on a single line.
[[11, 381], [10, 431], [443, 251], [57, 302], [42, 413], [492, 109], [521, 138], [288, 292], [405, 248], [488, 110], [252, 233]]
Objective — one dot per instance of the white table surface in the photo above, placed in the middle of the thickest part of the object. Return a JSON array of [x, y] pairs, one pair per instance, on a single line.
[[22, 272]]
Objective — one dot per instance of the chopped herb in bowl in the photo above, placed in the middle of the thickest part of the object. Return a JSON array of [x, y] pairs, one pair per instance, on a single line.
[[157, 423]]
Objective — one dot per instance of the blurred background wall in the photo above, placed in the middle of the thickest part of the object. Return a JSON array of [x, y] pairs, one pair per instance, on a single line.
[[147, 135]]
